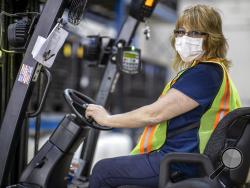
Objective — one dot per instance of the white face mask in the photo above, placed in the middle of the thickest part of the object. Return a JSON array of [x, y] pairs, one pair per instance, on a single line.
[[189, 48]]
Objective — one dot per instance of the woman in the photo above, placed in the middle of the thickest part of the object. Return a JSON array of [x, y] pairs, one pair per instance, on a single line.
[[198, 98]]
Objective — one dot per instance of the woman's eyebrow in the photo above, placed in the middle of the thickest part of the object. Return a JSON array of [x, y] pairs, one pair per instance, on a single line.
[[181, 28]]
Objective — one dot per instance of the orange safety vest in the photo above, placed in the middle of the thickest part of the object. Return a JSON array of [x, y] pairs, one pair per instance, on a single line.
[[226, 100]]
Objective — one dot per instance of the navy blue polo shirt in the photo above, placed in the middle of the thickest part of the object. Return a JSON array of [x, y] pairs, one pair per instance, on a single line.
[[201, 83]]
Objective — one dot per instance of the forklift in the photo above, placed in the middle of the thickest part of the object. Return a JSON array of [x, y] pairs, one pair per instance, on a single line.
[[51, 165]]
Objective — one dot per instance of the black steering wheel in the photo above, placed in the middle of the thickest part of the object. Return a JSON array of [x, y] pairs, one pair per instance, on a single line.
[[78, 103]]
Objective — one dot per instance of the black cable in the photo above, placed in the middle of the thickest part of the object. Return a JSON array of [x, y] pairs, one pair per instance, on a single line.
[[38, 118]]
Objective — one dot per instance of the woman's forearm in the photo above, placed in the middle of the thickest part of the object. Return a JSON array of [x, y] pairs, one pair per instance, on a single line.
[[137, 118], [165, 108]]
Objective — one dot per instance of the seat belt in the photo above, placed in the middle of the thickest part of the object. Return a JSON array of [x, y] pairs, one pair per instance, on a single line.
[[183, 129]]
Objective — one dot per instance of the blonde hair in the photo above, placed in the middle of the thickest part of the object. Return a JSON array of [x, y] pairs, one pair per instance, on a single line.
[[206, 19]]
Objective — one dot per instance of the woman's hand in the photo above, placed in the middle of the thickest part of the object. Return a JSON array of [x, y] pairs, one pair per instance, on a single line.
[[98, 113]]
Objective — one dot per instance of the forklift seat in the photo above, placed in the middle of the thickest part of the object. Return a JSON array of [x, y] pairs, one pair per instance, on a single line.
[[233, 131]]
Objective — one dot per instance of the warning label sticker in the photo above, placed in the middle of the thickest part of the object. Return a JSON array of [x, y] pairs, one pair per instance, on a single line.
[[25, 74]]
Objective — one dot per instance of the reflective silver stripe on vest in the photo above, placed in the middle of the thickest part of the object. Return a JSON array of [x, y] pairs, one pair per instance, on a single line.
[[147, 138]]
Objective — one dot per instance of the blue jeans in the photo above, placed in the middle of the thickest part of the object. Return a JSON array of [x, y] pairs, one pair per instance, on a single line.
[[141, 170]]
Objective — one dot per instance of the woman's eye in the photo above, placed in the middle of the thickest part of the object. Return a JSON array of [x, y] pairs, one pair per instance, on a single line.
[[181, 32], [195, 33]]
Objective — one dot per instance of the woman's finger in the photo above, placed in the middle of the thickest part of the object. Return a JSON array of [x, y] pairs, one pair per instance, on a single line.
[[88, 114], [92, 107]]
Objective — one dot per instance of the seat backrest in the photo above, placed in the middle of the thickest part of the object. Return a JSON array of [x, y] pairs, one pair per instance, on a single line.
[[232, 131]]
